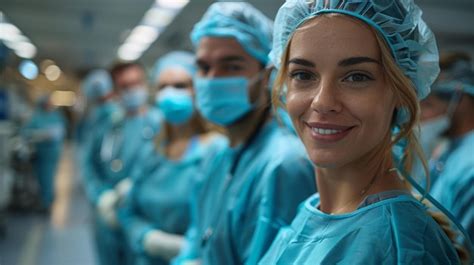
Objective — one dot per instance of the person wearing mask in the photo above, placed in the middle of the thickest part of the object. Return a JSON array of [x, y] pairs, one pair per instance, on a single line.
[[46, 131], [156, 212], [250, 186], [447, 114], [97, 87], [354, 72], [113, 154]]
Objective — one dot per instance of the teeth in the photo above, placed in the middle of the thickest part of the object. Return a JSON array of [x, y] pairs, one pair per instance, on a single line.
[[325, 131]]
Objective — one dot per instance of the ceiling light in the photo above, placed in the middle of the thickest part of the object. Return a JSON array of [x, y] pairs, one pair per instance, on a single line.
[[28, 69], [175, 4], [24, 49], [52, 72]]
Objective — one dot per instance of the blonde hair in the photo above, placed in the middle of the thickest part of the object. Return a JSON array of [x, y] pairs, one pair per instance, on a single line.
[[406, 101]]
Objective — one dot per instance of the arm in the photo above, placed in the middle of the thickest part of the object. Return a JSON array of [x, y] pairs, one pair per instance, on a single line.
[[277, 203]]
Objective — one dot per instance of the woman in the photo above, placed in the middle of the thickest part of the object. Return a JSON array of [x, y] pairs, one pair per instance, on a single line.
[[156, 214], [354, 72]]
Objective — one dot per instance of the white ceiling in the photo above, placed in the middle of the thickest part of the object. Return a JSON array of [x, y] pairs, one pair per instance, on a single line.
[[82, 34]]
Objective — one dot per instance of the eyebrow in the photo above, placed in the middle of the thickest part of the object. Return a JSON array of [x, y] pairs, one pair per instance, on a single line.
[[357, 60], [231, 58], [302, 62]]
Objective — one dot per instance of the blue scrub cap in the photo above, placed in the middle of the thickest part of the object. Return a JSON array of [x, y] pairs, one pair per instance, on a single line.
[[97, 84], [460, 76], [239, 20], [399, 21], [177, 59]]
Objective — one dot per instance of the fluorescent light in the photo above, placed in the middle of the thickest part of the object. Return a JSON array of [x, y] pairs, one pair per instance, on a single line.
[[25, 49], [158, 17], [52, 72], [143, 34], [174, 4], [128, 55], [28, 69], [7, 29]]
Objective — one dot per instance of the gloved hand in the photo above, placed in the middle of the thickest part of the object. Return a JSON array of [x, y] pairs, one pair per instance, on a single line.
[[162, 244], [106, 207], [123, 187]]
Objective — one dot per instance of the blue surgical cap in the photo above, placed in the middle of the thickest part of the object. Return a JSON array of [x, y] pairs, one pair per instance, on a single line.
[[239, 20], [97, 84], [177, 59], [411, 42], [460, 76]]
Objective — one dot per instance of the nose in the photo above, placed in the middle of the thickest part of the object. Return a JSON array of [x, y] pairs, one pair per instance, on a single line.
[[326, 100]]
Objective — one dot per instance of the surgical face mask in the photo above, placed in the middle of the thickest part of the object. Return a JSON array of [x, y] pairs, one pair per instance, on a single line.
[[175, 104], [431, 131], [134, 98], [223, 100]]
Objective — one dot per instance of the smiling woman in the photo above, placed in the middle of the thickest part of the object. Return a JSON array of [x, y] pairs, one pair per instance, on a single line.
[[353, 81]]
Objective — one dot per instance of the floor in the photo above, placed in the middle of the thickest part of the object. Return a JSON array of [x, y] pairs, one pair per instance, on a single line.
[[62, 237]]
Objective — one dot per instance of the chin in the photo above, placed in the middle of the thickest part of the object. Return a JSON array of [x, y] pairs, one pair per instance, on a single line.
[[322, 159]]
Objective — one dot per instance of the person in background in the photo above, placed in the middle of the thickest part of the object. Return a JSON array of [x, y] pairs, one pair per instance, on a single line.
[[251, 185], [46, 131], [98, 89], [354, 72], [447, 113], [112, 155], [156, 213]]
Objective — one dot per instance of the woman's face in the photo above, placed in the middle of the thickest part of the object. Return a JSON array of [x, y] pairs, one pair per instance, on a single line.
[[338, 98], [175, 77]]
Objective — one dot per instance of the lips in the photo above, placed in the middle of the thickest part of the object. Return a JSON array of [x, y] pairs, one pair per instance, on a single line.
[[328, 132]]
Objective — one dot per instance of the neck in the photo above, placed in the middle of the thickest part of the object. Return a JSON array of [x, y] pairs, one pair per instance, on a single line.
[[139, 111], [462, 126], [243, 129], [343, 189], [182, 131]]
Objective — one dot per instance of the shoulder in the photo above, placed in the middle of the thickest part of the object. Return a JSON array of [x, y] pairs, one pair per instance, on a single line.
[[415, 235]]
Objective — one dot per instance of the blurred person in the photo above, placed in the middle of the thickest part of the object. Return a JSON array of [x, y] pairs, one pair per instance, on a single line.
[[447, 113], [353, 73], [111, 156], [97, 87], [46, 131], [240, 202], [156, 213]]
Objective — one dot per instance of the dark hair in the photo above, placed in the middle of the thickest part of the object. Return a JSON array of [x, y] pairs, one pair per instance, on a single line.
[[448, 59], [119, 67]]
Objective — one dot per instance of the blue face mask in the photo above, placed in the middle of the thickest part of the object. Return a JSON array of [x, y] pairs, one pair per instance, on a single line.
[[175, 104], [222, 100], [134, 98]]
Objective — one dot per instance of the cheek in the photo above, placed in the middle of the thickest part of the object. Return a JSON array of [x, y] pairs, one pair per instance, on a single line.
[[298, 103]]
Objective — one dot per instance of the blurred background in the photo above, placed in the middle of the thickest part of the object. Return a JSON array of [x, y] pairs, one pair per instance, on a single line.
[[48, 46]]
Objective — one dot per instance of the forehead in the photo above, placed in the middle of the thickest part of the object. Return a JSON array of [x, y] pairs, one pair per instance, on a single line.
[[334, 37], [173, 75], [214, 49]]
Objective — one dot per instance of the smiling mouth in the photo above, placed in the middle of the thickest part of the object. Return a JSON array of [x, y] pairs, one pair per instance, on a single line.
[[328, 132]]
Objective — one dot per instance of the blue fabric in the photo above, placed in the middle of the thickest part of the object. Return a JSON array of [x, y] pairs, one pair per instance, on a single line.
[[393, 230], [48, 150], [177, 105], [110, 158], [460, 76], [223, 100], [177, 59], [159, 198], [238, 20], [245, 211], [454, 174], [412, 43], [112, 153]]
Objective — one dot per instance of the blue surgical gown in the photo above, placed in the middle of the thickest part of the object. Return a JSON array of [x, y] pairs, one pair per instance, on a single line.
[[113, 152], [236, 217], [52, 125], [454, 187], [160, 198], [394, 230], [111, 157]]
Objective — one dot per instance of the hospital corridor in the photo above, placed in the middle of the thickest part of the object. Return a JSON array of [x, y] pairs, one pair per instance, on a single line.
[[236, 132]]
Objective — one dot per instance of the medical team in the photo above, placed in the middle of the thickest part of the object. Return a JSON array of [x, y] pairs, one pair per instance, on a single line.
[[199, 165]]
